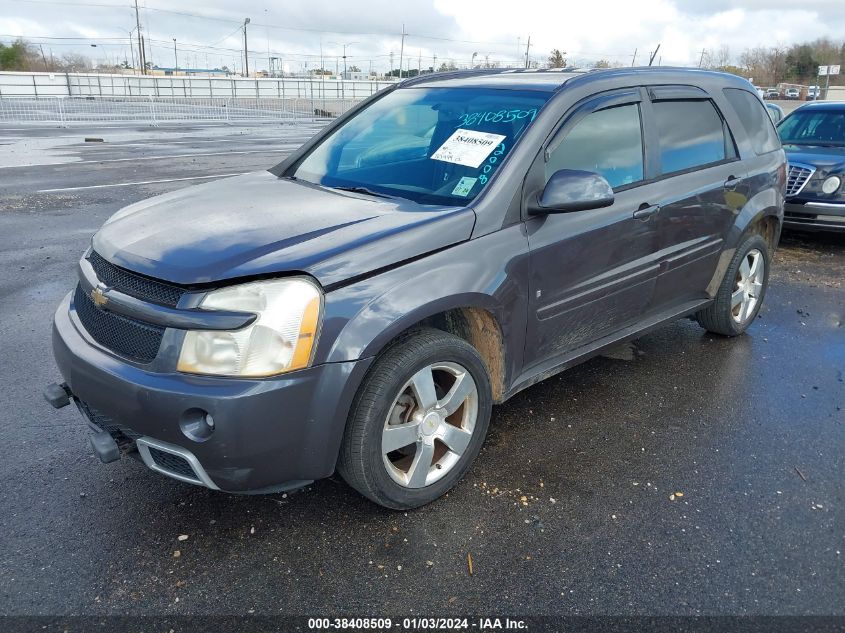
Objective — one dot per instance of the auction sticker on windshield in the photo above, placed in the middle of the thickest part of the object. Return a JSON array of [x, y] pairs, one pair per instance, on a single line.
[[468, 147]]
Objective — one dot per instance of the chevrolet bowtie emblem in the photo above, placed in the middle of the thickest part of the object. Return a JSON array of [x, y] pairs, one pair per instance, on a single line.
[[98, 296]]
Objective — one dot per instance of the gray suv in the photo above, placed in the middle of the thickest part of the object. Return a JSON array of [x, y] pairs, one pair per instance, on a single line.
[[449, 242]]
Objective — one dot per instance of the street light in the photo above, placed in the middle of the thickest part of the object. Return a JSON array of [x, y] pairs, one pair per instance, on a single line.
[[472, 62], [344, 53], [176, 57]]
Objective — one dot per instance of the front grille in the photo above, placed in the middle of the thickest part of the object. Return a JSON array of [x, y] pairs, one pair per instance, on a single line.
[[123, 435], [134, 284], [797, 178], [172, 463], [133, 339]]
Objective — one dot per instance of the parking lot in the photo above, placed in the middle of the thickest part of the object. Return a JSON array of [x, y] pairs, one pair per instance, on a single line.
[[682, 474]]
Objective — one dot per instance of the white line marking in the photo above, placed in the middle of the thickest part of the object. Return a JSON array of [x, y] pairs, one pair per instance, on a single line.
[[134, 158], [123, 160], [143, 182]]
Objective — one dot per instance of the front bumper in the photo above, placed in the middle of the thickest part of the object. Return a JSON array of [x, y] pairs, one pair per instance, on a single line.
[[268, 435], [814, 216]]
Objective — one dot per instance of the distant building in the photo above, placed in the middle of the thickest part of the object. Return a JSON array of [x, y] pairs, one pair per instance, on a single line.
[[355, 75]]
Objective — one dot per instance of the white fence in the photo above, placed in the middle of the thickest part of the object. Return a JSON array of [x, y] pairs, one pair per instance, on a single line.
[[95, 85], [72, 98], [156, 111]]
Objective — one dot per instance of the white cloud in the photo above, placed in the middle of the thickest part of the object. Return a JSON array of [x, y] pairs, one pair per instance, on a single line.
[[450, 29]]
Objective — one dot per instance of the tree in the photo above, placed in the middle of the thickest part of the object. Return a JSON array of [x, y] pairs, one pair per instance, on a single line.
[[444, 67], [20, 55], [602, 63], [75, 63], [354, 69], [557, 59], [800, 64]]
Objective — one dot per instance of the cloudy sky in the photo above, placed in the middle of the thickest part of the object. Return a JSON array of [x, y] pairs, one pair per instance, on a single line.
[[208, 34]]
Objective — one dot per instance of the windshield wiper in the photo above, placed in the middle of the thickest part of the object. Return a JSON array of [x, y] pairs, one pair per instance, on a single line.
[[813, 144], [363, 190]]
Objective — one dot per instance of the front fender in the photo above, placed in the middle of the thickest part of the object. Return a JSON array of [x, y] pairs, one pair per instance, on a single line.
[[488, 273]]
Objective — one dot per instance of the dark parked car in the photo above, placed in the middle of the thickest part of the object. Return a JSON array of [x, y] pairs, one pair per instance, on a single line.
[[363, 305], [814, 139]]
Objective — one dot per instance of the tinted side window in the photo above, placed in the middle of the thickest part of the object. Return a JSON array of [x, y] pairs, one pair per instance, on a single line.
[[691, 134], [608, 142], [754, 119]]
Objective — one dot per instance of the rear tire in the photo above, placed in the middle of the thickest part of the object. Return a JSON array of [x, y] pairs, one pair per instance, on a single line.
[[743, 288], [418, 420]]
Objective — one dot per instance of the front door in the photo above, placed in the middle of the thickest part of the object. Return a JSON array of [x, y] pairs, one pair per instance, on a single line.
[[592, 272]]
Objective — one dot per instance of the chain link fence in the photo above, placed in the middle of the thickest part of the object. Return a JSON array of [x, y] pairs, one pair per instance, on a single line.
[[154, 111]]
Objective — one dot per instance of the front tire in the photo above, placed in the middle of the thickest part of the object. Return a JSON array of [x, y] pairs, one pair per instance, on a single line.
[[418, 420], [741, 294]]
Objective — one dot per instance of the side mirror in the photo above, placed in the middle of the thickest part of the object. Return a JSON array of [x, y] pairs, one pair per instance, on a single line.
[[573, 190]]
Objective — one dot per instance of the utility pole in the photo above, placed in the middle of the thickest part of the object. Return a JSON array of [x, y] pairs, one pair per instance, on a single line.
[[144, 50], [391, 63], [141, 57], [246, 51], [527, 48], [434, 64], [401, 51], [419, 64], [653, 55], [701, 59], [634, 61], [131, 50], [518, 48], [43, 56], [176, 57]]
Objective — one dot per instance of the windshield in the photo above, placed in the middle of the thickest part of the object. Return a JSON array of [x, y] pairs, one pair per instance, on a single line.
[[814, 127], [429, 145]]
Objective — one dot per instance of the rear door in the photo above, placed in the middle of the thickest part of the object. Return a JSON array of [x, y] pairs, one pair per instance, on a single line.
[[592, 272], [700, 188]]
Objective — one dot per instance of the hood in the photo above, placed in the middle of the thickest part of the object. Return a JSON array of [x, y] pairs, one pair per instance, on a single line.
[[258, 224], [826, 158]]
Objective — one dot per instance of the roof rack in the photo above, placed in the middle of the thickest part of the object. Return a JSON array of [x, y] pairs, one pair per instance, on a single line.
[[480, 72]]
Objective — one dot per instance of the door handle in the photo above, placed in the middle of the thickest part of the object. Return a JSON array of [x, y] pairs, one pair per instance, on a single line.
[[646, 211], [732, 183]]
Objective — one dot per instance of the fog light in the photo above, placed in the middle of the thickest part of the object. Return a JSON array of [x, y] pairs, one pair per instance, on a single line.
[[831, 184], [197, 425]]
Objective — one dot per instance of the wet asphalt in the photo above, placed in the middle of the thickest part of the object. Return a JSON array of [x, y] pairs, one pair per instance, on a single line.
[[682, 474]]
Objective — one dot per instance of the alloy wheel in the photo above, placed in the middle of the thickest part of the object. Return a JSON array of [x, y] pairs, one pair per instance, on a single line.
[[429, 425], [748, 287]]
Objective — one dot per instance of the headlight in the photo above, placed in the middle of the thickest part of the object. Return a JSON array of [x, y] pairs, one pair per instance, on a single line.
[[281, 339], [831, 184]]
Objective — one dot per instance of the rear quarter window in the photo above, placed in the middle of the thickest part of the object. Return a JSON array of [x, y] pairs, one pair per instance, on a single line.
[[755, 120]]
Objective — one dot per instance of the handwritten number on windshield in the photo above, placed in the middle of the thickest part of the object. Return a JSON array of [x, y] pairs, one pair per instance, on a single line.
[[501, 116], [491, 162]]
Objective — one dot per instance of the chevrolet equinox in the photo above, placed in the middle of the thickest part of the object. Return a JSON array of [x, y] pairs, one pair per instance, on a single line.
[[445, 244]]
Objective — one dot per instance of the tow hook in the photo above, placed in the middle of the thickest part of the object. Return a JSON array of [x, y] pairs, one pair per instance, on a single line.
[[57, 395], [104, 447]]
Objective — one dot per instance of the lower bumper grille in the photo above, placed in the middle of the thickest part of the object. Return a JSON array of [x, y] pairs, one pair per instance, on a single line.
[[172, 463], [133, 339]]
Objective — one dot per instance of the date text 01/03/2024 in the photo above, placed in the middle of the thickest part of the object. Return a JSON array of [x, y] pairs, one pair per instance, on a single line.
[[418, 623]]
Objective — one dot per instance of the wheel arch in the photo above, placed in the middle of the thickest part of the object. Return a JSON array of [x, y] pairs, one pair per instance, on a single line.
[[761, 215]]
